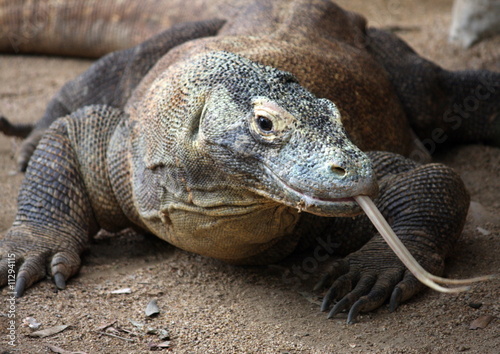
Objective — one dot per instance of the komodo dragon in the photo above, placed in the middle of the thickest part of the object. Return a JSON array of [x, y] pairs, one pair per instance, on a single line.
[[242, 138]]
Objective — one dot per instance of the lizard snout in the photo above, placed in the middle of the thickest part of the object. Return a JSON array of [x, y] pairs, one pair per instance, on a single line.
[[351, 180]]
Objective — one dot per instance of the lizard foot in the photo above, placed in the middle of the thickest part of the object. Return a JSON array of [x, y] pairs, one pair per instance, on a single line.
[[366, 279], [27, 264]]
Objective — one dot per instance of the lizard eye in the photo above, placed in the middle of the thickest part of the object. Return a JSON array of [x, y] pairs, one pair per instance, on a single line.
[[264, 123], [269, 122]]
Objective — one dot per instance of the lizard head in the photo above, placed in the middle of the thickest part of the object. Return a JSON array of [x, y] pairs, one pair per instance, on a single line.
[[256, 128]]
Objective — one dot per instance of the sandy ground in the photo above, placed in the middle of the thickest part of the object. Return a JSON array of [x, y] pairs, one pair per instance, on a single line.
[[207, 306]]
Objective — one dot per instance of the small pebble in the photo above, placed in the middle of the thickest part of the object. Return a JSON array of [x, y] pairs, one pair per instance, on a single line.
[[122, 291], [163, 334], [483, 231], [475, 305]]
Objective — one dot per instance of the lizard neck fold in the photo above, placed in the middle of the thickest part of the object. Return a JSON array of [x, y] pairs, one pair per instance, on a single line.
[[119, 166], [206, 215]]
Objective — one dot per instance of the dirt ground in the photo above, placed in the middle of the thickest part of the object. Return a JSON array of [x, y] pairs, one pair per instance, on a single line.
[[210, 307]]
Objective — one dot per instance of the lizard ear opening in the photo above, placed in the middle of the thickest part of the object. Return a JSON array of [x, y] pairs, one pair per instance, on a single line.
[[194, 127], [163, 133]]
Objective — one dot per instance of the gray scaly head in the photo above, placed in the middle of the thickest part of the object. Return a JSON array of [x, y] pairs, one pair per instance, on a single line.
[[224, 120]]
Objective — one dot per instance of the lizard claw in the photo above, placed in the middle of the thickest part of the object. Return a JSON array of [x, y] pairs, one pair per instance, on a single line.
[[354, 311], [20, 286], [60, 281], [405, 289], [395, 299], [374, 299], [339, 288], [339, 307], [64, 265], [30, 271]]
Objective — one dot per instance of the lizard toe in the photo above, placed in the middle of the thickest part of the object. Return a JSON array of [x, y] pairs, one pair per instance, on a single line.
[[27, 263], [336, 270], [404, 290], [356, 308], [361, 288], [31, 270], [338, 290], [377, 296], [9, 262], [64, 265]]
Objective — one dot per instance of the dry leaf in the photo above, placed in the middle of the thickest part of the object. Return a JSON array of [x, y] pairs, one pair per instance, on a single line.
[[481, 322], [62, 351], [106, 325], [161, 345], [137, 324], [48, 331], [58, 350]]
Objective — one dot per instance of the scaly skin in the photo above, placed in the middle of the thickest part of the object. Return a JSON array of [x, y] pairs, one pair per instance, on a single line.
[[201, 141], [93, 28]]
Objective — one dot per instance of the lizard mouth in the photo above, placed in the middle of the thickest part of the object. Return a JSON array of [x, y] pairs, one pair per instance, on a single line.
[[333, 207]]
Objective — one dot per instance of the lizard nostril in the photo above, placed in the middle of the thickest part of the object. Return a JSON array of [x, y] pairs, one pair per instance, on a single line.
[[337, 170]]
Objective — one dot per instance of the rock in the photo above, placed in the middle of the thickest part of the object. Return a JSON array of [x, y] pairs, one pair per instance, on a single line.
[[152, 309], [474, 20]]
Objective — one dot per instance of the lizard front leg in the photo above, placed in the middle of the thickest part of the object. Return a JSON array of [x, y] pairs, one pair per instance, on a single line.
[[426, 206], [65, 183]]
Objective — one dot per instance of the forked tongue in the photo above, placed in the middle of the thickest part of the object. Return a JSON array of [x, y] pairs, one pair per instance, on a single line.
[[405, 256]]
